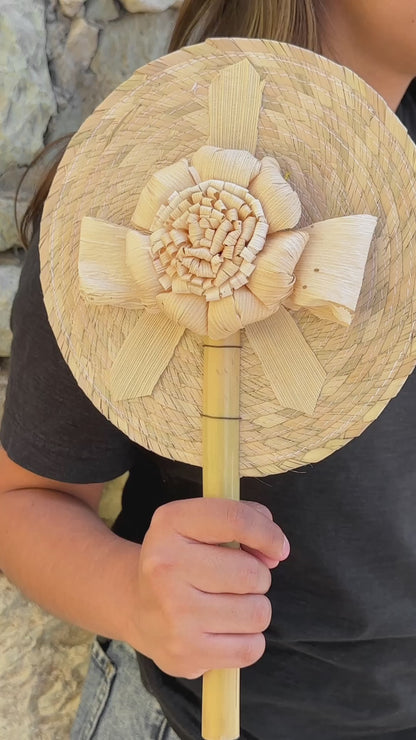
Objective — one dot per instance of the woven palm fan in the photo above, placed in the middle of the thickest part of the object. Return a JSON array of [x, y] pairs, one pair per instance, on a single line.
[[239, 204]]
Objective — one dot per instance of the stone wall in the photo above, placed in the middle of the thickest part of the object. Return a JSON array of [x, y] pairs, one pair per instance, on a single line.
[[58, 60]]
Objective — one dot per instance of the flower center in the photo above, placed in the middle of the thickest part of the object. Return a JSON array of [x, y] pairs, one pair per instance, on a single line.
[[206, 239]]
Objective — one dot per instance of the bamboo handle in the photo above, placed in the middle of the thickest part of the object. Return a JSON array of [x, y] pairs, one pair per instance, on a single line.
[[221, 479]]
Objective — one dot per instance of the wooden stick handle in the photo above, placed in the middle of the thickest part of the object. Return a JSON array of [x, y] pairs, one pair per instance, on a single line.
[[221, 479]]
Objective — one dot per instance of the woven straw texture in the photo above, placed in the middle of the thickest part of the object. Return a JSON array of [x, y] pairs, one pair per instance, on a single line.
[[342, 150]]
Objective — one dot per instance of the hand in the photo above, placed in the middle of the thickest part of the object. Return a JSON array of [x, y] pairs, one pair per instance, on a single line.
[[200, 605]]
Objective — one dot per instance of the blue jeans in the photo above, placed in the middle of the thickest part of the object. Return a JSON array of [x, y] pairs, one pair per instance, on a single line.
[[114, 703]]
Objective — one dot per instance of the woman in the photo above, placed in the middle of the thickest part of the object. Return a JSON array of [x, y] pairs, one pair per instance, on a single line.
[[342, 639]]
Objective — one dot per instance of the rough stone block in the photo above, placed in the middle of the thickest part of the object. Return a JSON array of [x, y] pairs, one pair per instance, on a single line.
[[149, 6], [70, 8], [27, 101], [9, 279]]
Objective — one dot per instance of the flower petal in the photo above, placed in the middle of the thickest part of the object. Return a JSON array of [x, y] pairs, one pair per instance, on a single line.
[[185, 310], [229, 165], [103, 275], [280, 203], [144, 356], [223, 318], [157, 191], [331, 268], [273, 279], [249, 308], [333, 312], [140, 264], [292, 368]]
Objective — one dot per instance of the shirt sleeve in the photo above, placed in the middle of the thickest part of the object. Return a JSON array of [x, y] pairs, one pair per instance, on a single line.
[[49, 425]]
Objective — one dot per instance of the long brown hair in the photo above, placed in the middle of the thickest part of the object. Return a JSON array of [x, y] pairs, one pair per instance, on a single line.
[[47, 161], [292, 21]]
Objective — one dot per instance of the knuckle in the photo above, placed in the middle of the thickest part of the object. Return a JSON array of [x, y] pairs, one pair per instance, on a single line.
[[251, 650], [156, 565], [236, 515], [178, 646], [182, 659], [162, 516]]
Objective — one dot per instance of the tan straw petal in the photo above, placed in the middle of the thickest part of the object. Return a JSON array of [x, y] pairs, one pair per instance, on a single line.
[[140, 264], [280, 203], [292, 368], [249, 308], [223, 318], [228, 127], [103, 274], [159, 189], [154, 339], [191, 311], [230, 165], [331, 268], [273, 279]]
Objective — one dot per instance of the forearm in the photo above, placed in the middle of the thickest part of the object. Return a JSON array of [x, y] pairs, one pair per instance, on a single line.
[[61, 555]]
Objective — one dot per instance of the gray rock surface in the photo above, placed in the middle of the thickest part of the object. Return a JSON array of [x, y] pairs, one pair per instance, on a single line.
[[71, 8], [102, 11], [149, 6], [82, 42], [9, 183], [27, 101], [8, 230], [130, 42], [48, 91], [4, 370], [9, 279]]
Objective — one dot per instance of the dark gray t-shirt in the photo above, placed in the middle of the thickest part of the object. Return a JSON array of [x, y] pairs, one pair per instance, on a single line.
[[341, 650]]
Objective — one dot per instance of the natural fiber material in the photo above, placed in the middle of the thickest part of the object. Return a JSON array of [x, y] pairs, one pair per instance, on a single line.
[[342, 151]]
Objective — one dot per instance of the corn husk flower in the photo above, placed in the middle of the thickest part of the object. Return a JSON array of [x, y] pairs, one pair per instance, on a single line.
[[214, 249], [214, 245], [209, 237]]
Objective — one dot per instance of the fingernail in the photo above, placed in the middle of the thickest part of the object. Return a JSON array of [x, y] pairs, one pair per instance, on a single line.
[[285, 547]]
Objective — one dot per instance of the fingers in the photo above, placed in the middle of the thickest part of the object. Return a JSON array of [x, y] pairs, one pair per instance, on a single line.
[[201, 605], [215, 521], [234, 651], [214, 652], [232, 614], [215, 569]]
